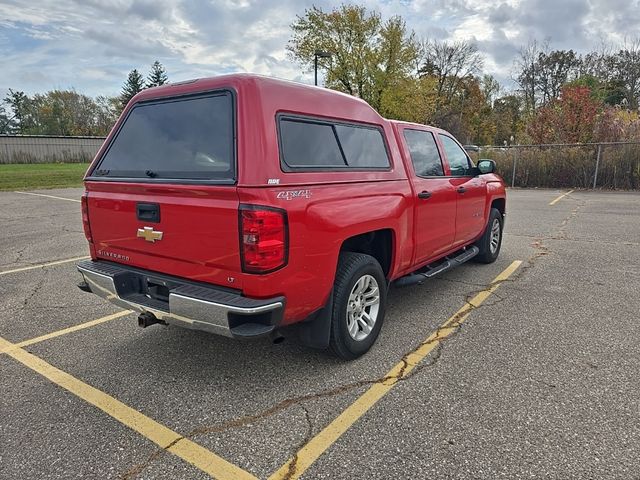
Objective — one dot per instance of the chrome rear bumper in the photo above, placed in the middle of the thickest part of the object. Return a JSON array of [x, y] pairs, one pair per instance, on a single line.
[[190, 305]]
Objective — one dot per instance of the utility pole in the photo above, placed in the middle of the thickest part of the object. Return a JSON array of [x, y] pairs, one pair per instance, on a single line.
[[318, 54]]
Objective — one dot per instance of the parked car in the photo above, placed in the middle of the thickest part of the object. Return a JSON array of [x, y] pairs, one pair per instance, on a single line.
[[243, 204]]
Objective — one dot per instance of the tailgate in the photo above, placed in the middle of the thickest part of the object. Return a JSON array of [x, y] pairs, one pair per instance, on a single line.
[[195, 235]]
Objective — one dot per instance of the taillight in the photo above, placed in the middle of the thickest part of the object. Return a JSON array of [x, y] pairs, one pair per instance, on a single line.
[[85, 217], [263, 238]]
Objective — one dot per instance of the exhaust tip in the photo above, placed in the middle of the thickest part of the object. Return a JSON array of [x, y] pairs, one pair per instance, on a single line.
[[277, 338]]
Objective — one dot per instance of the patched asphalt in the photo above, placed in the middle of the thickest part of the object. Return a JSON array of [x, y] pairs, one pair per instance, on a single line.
[[540, 381]]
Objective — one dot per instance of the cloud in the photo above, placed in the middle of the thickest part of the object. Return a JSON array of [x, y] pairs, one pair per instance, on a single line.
[[92, 44]]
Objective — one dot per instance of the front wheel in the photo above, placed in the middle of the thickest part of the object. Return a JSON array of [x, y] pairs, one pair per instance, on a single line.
[[359, 300], [491, 240]]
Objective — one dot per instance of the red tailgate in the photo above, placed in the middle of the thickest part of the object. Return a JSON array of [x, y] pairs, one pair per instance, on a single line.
[[198, 224]]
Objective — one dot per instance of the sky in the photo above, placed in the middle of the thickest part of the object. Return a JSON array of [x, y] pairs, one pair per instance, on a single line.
[[91, 45]]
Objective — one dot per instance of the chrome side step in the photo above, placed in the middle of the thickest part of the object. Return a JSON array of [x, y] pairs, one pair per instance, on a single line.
[[429, 272]]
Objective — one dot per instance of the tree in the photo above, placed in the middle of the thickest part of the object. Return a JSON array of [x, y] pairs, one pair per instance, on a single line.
[[411, 100], [60, 112], [477, 116], [133, 85], [568, 119], [526, 71], [396, 59], [450, 64], [617, 124], [157, 76], [108, 109], [542, 73], [627, 63], [7, 124], [507, 115], [63, 112], [554, 69], [368, 56], [490, 88], [21, 118]]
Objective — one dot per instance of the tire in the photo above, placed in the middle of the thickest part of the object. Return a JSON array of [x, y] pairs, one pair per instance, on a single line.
[[489, 251], [357, 278]]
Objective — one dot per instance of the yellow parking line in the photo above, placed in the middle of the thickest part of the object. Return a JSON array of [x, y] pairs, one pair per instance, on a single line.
[[553, 202], [166, 438], [64, 331], [48, 196], [310, 452], [48, 264]]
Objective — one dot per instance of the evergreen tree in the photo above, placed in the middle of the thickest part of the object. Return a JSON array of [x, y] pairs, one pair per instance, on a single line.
[[6, 121], [157, 75], [133, 85]]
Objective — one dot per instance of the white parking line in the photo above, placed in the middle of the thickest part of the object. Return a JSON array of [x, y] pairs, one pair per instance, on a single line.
[[48, 264], [49, 196]]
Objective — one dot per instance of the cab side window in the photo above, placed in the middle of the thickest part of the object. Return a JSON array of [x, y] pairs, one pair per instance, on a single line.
[[424, 153], [457, 157], [325, 145]]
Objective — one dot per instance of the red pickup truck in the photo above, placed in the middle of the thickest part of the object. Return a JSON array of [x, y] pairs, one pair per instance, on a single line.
[[243, 204]]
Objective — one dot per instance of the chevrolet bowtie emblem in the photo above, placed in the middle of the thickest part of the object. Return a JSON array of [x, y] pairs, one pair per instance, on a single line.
[[149, 234]]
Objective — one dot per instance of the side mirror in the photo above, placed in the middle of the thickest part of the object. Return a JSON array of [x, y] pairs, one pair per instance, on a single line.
[[486, 166]]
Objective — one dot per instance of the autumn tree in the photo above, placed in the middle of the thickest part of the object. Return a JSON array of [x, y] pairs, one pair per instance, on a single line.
[[554, 70], [491, 88], [60, 112], [368, 56], [479, 126], [411, 100], [133, 85], [568, 119], [508, 118], [541, 73]]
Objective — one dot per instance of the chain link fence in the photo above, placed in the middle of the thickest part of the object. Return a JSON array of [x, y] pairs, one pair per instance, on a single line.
[[46, 149], [611, 165]]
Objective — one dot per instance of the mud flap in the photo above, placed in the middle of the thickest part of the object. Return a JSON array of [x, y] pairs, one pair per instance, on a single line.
[[316, 331]]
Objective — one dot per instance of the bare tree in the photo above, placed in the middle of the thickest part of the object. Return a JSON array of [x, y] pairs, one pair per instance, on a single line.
[[450, 64], [526, 68], [598, 62], [628, 71]]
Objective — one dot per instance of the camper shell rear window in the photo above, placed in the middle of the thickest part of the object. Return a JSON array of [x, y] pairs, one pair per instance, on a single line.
[[181, 138]]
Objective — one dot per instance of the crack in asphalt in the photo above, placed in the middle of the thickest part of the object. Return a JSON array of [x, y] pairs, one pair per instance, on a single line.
[[19, 254], [293, 464], [34, 289], [453, 327]]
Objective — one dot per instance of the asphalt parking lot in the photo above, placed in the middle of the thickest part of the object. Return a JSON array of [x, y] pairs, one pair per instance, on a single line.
[[509, 370]]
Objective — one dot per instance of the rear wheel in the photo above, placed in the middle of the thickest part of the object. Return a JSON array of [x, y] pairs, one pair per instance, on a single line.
[[491, 240], [359, 300]]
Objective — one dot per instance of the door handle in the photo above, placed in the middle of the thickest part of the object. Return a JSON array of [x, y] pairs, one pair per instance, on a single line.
[[148, 212], [461, 190], [424, 195]]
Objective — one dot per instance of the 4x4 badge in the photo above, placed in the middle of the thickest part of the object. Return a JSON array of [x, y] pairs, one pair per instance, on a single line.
[[149, 234]]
